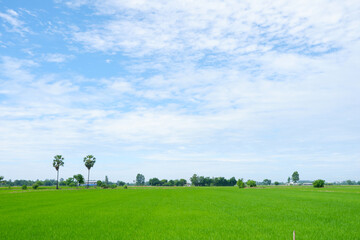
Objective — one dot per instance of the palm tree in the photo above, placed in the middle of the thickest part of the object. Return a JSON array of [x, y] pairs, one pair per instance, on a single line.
[[89, 161], [57, 163]]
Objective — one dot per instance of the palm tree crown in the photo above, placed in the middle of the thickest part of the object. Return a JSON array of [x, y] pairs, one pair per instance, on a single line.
[[89, 161], [58, 162]]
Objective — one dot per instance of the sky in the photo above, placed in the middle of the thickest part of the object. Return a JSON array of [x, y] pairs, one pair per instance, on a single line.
[[251, 89]]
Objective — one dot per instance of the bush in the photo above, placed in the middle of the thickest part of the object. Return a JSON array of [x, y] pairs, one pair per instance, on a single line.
[[113, 186], [24, 187], [276, 183], [125, 186], [319, 183], [35, 186], [240, 183], [72, 184], [99, 183], [251, 183], [104, 186]]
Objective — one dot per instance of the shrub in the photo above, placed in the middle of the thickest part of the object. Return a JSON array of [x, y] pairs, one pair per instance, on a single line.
[[99, 183], [24, 187], [276, 183], [113, 186], [319, 183], [240, 183], [104, 185], [35, 186], [251, 183], [125, 186], [72, 184]]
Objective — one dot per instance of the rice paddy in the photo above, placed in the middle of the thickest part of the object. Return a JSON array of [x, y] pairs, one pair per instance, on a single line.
[[181, 213]]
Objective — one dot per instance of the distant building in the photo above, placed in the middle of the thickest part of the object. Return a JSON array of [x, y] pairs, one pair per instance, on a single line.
[[91, 183], [307, 184]]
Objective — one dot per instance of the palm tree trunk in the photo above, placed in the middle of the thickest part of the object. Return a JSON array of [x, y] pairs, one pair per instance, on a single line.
[[57, 180], [88, 177]]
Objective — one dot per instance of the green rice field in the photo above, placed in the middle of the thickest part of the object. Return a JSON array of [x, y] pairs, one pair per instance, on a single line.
[[181, 213]]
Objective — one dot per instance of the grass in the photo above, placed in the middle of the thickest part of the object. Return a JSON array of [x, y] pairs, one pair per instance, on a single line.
[[181, 213]]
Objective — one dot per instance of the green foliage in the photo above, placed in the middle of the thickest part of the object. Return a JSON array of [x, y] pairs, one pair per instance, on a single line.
[[58, 162], [113, 186], [24, 187], [89, 161], [79, 179], [240, 183], [104, 186], [120, 183], [35, 186], [140, 180], [295, 177], [319, 183], [267, 182], [125, 186], [106, 180], [276, 183], [99, 183], [251, 183], [70, 181]]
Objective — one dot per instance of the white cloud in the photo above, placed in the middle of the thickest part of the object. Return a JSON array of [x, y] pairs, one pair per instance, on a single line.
[[57, 57], [229, 27], [11, 17]]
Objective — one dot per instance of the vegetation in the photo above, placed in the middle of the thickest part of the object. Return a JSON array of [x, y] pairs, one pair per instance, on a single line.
[[207, 181], [89, 161], [35, 186], [240, 183], [164, 182], [57, 163], [79, 179], [251, 183], [125, 186], [295, 177], [24, 187], [182, 213], [140, 180], [267, 182], [319, 183], [276, 183]]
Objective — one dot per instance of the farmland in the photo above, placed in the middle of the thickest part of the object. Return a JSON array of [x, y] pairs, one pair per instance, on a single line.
[[181, 213]]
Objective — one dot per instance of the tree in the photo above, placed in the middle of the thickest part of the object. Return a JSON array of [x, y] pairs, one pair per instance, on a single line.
[[276, 183], [295, 177], [99, 183], [194, 180], [154, 182], [57, 163], [288, 181], [69, 181], [182, 182], [79, 179], [319, 183], [140, 180], [89, 161], [267, 182], [106, 180], [1, 180], [120, 183], [232, 181], [240, 183], [251, 183]]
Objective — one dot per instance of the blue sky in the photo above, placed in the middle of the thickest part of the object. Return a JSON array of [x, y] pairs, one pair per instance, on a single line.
[[251, 89]]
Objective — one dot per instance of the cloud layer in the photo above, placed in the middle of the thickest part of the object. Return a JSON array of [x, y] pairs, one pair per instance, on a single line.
[[249, 89]]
